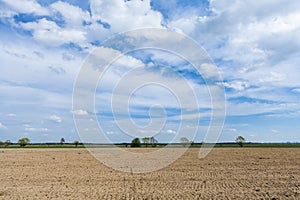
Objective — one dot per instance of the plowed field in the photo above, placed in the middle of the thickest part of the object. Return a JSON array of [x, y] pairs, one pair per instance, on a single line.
[[237, 173]]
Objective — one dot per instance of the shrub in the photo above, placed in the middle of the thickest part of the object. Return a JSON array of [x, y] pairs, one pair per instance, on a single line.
[[240, 140], [23, 142], [184, 141], [76, 143], [7, 143], [135, 143]]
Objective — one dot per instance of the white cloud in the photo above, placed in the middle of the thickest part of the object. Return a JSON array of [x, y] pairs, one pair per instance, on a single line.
[[297, 90], [247, 108], [44, 129], [73, 15], [236, 85], [125, 15], [3, 127], [273, 77], [33, 96], [167, 95], [80, 112], [232, 130], [32, 62], [81, 27], [171, 131], [55, 118], [264, 44], [32, 129], [11, 115], [49, 33], [185, 25], [259, 51], [27, 6], [5, 13]]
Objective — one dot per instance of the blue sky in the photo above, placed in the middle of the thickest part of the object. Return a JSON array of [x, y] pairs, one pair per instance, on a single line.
[[255, 45]]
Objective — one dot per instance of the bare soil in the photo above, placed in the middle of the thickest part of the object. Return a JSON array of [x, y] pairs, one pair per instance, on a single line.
[[237, 173]]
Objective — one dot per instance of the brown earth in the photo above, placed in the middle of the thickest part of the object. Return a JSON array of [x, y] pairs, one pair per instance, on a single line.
[[238, 173]]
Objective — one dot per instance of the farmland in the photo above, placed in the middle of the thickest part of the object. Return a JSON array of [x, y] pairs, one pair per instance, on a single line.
[[226, 173]]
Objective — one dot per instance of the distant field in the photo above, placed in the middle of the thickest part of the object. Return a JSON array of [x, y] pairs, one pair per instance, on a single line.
[[262, 145], [226, 173]]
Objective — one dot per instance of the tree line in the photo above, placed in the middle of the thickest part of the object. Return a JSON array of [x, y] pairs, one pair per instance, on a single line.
[[151, 141], [240, 140], [25, 141], [136, 142], [146, 140]]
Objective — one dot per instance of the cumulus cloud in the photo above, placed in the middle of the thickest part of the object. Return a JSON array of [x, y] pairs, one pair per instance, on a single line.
[[11, 115], [80, 112], [296, 90], [3, 127], [171, 131], [273, 77], [126, 15], [236, 85], [74, 16], [32, 129], [274, 131], [258, 51], [109, 132], [63, 23], [232, 130], [49, 33], [28, 6], [55, 118]]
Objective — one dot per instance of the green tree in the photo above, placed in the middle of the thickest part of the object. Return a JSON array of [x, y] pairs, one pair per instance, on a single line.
[[135, 143], [62, 141], [240, 140], [1, 143], [76, 143], [184, 141], [146, 141], [153, 142], [7, 143], [23, 142]]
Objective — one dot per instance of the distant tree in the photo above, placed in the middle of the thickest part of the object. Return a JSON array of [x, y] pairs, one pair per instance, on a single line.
[[240, 140], [135, 143], [76, 143], [23, 142], [7, 143], [146, 141], [184, 141], [1, 143], [153, 142], [62, 141]]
